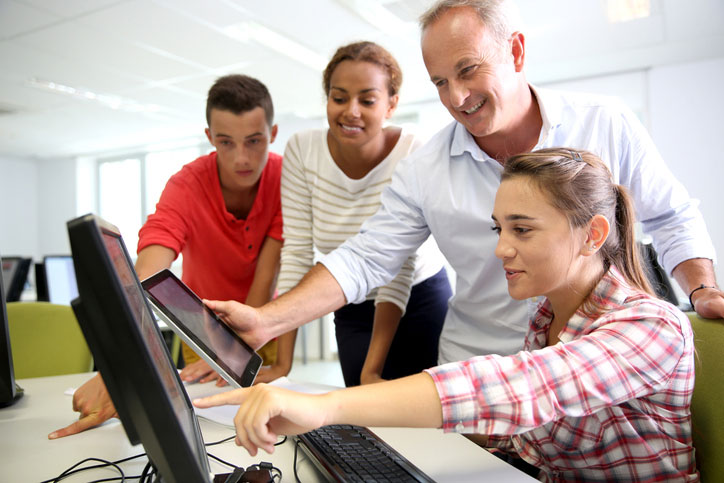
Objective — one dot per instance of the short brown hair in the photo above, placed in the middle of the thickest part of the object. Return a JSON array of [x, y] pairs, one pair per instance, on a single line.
[[365, 52], [239, 93]]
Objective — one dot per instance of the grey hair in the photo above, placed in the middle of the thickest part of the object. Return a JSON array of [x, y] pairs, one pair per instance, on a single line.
[[500, 16]]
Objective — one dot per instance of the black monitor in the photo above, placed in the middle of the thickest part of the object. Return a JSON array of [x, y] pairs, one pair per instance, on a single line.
[[9, 391], [15, 274], [55, 279], [131, 355]]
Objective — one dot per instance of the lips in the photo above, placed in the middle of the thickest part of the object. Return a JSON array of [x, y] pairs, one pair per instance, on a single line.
[[511, 274], [246, 172]]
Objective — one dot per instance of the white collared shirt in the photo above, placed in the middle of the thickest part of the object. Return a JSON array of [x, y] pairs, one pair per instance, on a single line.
[[448, 187]]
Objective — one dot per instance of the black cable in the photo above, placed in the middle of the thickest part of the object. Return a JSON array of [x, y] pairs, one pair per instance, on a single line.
[[296, 450], [220, 441], [221, 461], [72, 470], [279, 443]]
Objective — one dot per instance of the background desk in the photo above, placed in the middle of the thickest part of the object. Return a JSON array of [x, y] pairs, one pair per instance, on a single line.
[[26, 454]]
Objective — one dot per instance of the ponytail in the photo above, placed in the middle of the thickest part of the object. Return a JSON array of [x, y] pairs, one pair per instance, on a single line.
[[625, 254]]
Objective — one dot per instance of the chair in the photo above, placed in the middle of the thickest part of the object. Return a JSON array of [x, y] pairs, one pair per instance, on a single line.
[[707, 404], [46, 340]]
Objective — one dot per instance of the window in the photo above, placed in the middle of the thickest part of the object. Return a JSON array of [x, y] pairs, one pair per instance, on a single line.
[[129, 187]]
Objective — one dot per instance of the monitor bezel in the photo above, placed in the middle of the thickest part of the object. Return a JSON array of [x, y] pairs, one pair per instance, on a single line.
[[9, 392]]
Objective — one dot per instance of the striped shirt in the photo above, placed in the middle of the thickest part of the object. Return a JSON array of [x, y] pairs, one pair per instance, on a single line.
[[322, 207], [610, 402]]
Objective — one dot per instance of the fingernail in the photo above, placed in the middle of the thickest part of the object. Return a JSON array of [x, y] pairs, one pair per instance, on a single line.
[[52, 435]]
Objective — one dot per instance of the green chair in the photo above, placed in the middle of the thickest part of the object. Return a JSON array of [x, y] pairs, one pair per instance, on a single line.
[[707, 404], [46, 340]]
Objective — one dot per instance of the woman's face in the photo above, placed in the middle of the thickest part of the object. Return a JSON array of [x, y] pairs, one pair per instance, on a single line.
[[358, 102], [540, 251]]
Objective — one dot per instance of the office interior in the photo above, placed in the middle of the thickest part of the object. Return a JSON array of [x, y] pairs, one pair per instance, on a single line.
[[88, 82]]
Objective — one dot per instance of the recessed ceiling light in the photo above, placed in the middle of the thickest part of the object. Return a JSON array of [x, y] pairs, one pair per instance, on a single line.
[[106, 100], [248, 32], [626, 10]]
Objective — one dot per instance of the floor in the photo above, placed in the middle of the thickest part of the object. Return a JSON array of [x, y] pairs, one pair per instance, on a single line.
[[320, 372]]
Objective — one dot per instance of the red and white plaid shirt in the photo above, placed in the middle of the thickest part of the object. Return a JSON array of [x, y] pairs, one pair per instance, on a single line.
[[610, 402]]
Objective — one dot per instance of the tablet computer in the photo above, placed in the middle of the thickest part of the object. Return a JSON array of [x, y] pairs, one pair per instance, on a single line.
[[198, 326]]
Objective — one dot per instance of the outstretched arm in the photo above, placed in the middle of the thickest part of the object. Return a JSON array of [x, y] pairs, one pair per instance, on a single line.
[[317, 294], [267, 411]]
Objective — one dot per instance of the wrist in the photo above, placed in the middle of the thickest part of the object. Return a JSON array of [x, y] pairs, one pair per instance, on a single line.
[[698, 292]]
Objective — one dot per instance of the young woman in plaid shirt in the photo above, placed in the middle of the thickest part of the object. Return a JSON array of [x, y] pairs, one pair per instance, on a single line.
[[603, 388]]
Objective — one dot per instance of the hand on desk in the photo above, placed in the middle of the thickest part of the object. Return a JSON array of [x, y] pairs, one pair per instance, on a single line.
[[710, 304], [266, 412], [93, 403], [202, 372]]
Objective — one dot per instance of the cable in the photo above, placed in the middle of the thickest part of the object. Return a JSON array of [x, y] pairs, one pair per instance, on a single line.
[[72, 470], [296, 450], [220, 441], [221, 461]]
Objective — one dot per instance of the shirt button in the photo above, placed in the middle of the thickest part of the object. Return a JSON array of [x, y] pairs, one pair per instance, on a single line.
[[247, 228], [459, 427], [249, 247]]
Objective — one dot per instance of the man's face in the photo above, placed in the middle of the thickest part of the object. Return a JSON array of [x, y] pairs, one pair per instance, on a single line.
[[476, 78], [242, 146]]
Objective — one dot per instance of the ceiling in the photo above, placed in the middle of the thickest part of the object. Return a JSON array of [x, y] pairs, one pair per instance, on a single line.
[[86, 77]]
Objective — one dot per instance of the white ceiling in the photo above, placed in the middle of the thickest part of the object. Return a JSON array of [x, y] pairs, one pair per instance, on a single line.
[[167, 53]]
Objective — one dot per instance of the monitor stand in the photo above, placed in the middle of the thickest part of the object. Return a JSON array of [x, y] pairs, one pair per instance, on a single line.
[[18, 394]]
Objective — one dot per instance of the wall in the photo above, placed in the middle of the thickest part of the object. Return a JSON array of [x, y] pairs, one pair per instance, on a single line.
[[685, 105], [18, 207], [56, 205]]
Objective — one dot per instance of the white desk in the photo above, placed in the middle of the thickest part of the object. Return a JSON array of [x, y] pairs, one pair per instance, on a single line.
[[26, 455]]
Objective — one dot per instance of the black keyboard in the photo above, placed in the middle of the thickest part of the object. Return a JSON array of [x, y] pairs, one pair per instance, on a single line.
[[354, 453]]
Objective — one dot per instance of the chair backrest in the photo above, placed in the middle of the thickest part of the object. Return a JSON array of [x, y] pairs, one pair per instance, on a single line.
[[707, 404], [46, 340]]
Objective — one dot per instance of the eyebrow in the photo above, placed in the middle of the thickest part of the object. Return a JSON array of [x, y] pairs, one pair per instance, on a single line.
[[258, 133], [515, 217], [363, 91]]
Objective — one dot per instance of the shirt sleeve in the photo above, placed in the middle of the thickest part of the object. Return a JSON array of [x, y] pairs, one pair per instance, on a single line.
[[398, 290], [632, 356], [167, 226], [298, 251], [663, 205], [386, 240]]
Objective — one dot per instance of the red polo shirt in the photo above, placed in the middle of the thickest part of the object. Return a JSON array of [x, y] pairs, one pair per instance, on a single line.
[[219, 251]]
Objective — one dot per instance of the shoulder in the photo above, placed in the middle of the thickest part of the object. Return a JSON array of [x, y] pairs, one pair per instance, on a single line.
[[198, 172]]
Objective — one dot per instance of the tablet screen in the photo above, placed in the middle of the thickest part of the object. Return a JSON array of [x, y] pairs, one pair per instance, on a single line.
[[185, 312]]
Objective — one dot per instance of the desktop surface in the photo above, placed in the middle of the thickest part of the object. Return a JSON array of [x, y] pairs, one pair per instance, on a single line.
[[46, 407]]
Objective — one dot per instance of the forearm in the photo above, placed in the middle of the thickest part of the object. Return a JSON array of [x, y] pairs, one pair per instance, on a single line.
[[152, 259], [317, 294], [407, 402], [696, 277], [384, 328], [265, 276], [285, 349]]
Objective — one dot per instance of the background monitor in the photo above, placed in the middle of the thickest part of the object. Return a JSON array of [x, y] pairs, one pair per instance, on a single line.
[[131, 355], [9, 391], [15, 274], [59, 279]]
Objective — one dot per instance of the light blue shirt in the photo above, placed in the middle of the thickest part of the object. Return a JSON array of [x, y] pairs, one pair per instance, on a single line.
[[448, 187]]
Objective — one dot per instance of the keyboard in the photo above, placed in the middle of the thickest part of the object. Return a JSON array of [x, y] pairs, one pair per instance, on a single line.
[[354, 453]]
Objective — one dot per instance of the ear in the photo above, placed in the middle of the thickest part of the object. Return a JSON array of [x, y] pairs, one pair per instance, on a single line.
[[208, 135], [518, 50], [273, 134], [597, 233], [393, 105]]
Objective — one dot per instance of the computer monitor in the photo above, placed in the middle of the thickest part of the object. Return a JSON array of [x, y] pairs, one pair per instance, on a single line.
[[9, 391], [55, 279], [15, 274], [131, 355]]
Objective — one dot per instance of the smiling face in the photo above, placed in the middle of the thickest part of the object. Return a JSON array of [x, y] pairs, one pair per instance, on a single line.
[[477, 79], [358, 103], [540, 251], [242, 146]]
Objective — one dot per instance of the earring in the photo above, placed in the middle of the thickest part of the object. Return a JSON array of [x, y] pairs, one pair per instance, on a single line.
[[592, 247]]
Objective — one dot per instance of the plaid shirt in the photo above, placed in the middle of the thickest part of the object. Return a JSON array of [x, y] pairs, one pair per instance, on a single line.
[[610, 402]]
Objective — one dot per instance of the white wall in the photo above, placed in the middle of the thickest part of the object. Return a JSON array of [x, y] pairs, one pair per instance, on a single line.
[[685, 104], [18, 207], [57, 193]]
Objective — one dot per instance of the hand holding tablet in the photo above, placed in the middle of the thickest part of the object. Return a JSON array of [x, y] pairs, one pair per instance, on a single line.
[[198, 326]]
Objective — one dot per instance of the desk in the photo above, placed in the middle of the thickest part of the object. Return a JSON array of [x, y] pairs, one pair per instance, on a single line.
[[26, 455]]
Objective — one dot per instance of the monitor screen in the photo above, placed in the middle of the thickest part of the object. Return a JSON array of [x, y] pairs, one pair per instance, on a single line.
[[131, 354], [60, 279]]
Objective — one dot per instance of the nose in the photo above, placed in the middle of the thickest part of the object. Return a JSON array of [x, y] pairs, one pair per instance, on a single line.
[[352, 109], [458, 93], [241, 158], [503, 249]]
